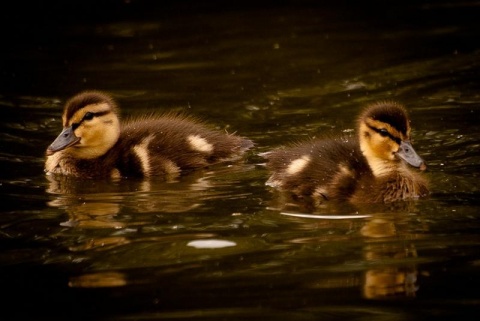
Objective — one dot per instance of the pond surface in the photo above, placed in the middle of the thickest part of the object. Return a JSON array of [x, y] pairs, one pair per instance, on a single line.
[[219, 244]]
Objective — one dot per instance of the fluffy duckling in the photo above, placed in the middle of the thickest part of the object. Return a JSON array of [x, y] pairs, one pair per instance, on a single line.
[[368, 169], [95, 144]]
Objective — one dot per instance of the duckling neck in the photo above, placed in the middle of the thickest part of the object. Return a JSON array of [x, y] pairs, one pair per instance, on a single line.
[[381, 167]]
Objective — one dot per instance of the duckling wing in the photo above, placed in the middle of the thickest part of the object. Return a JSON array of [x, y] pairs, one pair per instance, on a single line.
[[172, 144], [326, 168]]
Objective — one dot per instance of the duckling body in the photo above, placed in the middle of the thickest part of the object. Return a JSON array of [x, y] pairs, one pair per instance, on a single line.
[[94, 144], [369, 168]]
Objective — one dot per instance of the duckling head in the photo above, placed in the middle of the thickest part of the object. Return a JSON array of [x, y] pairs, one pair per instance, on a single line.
[[384, 134], [91, 126]]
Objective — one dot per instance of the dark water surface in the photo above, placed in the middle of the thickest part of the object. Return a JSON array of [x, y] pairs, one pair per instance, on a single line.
[[219, 244]]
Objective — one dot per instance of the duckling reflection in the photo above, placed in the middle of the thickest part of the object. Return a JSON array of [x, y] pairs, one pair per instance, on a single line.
[[98, 280], [388, 279], [99, 204], [383, 268], [288, 203]]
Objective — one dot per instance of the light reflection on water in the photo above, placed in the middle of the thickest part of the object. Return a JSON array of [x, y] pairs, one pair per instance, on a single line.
[[302, 74]]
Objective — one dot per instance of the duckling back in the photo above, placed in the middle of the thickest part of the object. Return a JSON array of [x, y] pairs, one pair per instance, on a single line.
[[324, 169], [171, 145]]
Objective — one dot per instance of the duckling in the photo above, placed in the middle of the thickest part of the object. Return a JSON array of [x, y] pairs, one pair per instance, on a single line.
[[95, 144], [369, 168]]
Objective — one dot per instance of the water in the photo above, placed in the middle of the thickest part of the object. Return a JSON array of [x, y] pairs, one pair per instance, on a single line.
[[219, 244]]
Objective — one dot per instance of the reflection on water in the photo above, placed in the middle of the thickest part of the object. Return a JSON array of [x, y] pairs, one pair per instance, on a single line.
[[219, 243], [94, 280], [391, 274], [386, 268], [125, 205]]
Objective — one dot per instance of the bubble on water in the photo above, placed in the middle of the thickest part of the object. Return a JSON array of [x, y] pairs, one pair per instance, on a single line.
[[211, 244]]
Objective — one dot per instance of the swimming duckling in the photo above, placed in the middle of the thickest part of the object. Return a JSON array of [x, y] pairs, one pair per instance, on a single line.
[[368, 169], [94, 144]]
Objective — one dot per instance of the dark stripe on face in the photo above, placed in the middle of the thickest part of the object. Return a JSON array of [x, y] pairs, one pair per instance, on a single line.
[[89, 116], [385, 133]]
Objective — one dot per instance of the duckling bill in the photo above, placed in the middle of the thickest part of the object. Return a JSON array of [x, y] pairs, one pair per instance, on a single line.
[[95, 144], [370, 168]]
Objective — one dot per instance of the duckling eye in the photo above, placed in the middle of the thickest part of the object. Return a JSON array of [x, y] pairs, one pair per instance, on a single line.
[[383, 132], [88, 116]]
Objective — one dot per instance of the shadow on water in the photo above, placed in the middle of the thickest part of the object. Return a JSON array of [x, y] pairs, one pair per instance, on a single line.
[[219, 244]]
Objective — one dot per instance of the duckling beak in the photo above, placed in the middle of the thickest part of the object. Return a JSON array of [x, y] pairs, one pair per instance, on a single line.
[[66, 139], [408, 154]]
